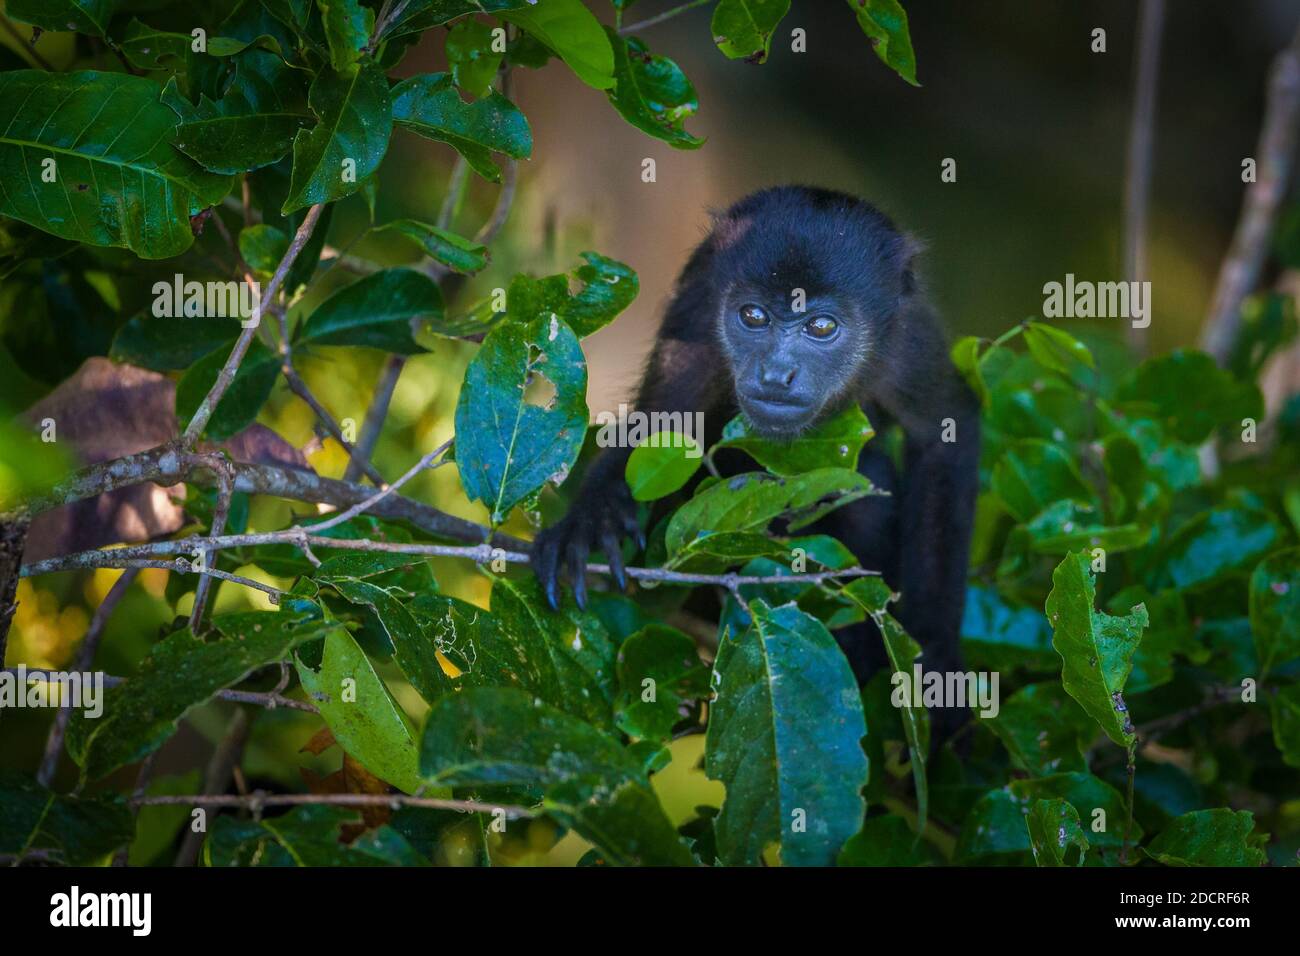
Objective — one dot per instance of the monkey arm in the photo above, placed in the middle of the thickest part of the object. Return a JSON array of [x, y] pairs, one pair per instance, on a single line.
[[682, 375]]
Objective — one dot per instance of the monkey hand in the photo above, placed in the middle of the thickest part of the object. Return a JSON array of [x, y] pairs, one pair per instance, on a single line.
[[597, 521]]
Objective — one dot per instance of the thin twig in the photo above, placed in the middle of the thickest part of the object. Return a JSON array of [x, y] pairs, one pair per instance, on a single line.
[[259, 799], [373, 423], [363, 506], [270, 700], [227, 374], [216, 778], [1141, 139], [81, 663], [299, 388], [149, 555], [661, 17], [1275, 155], [225, 490], [123, 856]]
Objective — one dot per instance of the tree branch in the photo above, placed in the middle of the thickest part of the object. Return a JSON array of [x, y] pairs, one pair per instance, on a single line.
[[661, 17], [270, 700], [227, 374], [169, 465], [1275, 155], [259, 799]]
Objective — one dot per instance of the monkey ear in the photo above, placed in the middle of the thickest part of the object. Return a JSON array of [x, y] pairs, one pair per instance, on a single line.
[[902, 250]]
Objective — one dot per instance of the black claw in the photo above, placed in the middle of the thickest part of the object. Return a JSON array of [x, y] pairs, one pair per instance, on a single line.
[[578, 572], [553, 593], [609, 541]]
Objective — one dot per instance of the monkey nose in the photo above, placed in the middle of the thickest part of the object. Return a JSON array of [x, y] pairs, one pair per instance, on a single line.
[[778, 376]]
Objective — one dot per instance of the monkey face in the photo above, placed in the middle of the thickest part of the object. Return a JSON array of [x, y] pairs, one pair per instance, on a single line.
[[792, 361]]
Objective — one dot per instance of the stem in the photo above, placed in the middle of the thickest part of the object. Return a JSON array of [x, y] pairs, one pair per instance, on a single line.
[[270, 700], [259, 799], [661, 17], [383, 493], [217, 777], [150, 555], [227, 374]]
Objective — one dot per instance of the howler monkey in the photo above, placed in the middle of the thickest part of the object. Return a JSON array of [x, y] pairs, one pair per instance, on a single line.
[[734, 340]]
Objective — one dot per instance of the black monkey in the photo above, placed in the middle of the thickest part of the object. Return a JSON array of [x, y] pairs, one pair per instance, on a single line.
[[734, 340]]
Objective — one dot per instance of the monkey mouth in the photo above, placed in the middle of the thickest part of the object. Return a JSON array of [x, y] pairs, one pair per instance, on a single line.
[[776, 416]]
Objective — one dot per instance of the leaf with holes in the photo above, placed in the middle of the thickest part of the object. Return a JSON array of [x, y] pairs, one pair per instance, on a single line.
[[510, 440]]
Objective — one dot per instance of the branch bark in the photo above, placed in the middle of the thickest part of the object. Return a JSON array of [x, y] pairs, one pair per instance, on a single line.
[[1141, 145], [1275, 156]]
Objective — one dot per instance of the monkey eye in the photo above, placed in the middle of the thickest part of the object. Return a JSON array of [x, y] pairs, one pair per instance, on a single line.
[[821, 327], [754, 317]]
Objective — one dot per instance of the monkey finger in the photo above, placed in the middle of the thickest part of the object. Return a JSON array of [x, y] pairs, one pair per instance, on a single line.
[[614, 551], [578, 572], [546, 561]]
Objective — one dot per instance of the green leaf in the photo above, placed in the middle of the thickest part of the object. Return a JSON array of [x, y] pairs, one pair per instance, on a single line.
[[455, 252], [167, 344], [564, 657], [873, 596], [1275, 609], [1032, 474], [885, 841], [419, 15], [242, 401], [834, 443], [609, 287], [659, 676], [338, 154], [181, 672], [750, 502], [966, 358], [473, 62], [652, 93], [1053, 828], [429, 105], [743, 29], [1219, 837], [414, 653], [1056, 349], [996, 827], [997, 635], [1189, 395], [661, 464], [785, 738], [117, 180], [251, 126], [361, 713], [500, 737], [78, 831], [1284, 710], [263, 247], [885, 24], [509, 442], [78, 16], [1044, 731], [1096, 649], [306, 836], [376, 311], [573, 33], [1217, 542], [626, 822], [347, 29]]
